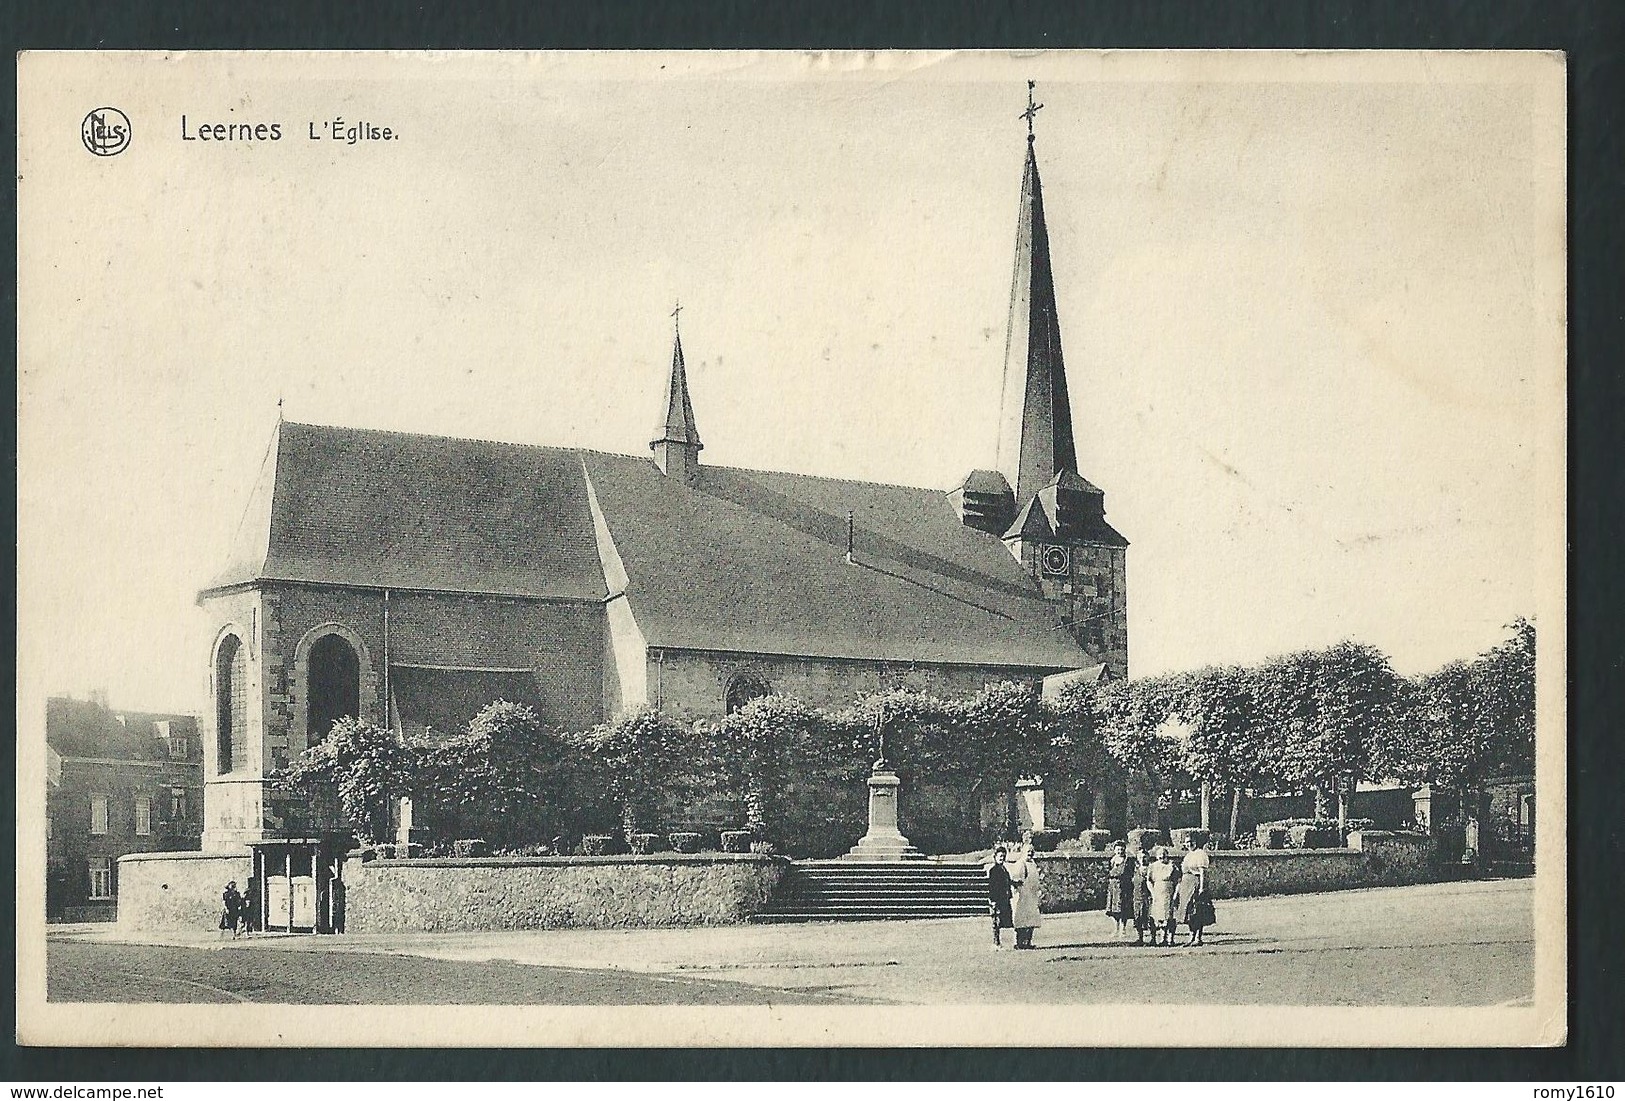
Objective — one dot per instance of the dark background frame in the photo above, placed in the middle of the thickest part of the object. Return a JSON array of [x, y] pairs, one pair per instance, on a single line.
[[1589, 32]]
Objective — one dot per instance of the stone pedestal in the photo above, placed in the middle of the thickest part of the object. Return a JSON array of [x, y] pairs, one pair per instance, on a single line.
[[1030, 805], [409, 838], [883, 841]]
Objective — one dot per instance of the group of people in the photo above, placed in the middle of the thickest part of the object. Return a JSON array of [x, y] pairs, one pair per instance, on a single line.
[[1156, 894], [1148, 890], [1012, 892]]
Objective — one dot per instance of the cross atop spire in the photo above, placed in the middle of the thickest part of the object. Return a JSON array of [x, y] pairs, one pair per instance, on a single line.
[[676, 319], [1031, 111]]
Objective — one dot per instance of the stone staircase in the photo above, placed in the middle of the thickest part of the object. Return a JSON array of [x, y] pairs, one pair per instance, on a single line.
[[852, 890]]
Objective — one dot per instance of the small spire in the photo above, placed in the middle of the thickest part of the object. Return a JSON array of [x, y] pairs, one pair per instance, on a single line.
[[676, 442], [279, 408], [1031, 111]]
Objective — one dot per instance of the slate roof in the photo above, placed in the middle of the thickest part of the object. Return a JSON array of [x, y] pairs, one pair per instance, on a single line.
[[352, 506], [83, 728], [743, 560]]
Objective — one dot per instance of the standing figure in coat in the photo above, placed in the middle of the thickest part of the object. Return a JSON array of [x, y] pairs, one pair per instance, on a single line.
[[1024, 877], [999, 892], [232, 907], [1120, 888]]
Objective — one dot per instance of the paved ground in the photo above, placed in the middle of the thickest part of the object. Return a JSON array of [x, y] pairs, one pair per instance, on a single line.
[[1439, 944]]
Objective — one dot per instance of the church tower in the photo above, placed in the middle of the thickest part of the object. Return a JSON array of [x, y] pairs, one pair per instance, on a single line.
[[676, 444], [1059, 529]]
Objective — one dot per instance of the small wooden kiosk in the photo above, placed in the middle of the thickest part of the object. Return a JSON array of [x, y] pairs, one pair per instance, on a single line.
[[298, 885]]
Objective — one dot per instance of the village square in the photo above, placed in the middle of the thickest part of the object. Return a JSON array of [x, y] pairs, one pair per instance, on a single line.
[[533, 723]]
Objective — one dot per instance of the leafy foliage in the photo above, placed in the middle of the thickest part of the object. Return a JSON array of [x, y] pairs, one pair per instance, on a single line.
[[1469, 720], [644, 761], [509, 778], [365, 766], [761, 748]]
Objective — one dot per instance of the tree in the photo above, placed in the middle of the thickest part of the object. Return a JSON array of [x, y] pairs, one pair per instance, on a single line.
[[1005, 732], [644, 760], [1468, 720], [1224, 745], [1503, 679], [762, 747], [367, 768], [509, 778], [1133, 723]]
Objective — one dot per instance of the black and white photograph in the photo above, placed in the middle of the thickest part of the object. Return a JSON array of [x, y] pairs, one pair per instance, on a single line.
[[775, 549]]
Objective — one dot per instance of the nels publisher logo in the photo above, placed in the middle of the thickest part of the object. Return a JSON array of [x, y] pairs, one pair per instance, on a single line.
[[105, 131]]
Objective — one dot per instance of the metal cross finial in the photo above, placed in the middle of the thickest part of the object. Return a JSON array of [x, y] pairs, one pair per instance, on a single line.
[[676, 311], [1032, 109]]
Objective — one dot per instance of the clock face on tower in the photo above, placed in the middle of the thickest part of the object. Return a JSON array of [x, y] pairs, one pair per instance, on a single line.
[[1055, 561]]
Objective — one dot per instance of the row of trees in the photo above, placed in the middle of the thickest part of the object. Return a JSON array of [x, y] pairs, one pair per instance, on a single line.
[[1323, 720], [1318, 720]]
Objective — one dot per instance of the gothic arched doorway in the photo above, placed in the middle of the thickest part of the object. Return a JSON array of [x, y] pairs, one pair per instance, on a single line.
[[333, 681]]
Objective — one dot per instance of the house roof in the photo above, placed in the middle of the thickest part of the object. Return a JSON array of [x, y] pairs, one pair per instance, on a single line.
[[741, 560], [84, 728]]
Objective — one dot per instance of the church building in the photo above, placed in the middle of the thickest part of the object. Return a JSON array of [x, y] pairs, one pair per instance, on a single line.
[[410, 580]]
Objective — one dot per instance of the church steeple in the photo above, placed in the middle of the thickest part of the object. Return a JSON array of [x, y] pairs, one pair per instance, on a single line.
[[677, 443], [1035, 426]]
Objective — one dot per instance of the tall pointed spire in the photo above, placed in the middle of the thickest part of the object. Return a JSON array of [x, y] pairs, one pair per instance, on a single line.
[[677, 443], [1035, 416]]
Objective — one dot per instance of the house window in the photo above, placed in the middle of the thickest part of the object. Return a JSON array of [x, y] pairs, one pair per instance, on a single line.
[[98, 814], [143, 815], [177, 804], [101, 878], [177, 748]]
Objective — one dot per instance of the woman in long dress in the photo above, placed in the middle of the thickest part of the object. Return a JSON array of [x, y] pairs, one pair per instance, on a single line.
[[1193, 902], [1120, 888], [1026, 915], [1162, 878]]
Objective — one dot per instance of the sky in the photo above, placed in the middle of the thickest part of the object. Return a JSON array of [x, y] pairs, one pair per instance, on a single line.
[[1311, 310]]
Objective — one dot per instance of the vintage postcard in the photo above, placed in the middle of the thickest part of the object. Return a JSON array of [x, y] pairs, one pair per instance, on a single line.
[[747, 549]]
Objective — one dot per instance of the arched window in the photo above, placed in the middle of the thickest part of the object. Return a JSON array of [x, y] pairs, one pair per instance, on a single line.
[[334, 686], [231, 703], [742, 689]]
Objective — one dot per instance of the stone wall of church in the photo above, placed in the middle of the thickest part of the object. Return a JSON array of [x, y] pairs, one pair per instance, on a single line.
[[695, 682], [1098, 601], [563, 642]]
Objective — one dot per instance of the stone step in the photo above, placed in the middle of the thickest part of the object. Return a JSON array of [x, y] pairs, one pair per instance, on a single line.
[[780, 918], [845, 890]]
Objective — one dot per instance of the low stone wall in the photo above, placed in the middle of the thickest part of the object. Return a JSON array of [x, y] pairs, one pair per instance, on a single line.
[[179, 890], [1077, 880], [556, 892]]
